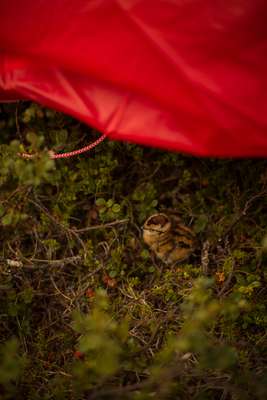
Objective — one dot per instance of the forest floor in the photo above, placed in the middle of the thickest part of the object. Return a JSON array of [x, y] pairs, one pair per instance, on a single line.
[[87, 311]]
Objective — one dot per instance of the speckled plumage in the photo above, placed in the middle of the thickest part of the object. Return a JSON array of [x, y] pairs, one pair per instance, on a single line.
[[168, 237]]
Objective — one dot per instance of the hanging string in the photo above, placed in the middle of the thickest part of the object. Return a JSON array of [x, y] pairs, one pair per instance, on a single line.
[[69, 154]]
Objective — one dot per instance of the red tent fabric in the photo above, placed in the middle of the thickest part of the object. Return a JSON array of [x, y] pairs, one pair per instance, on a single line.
[[186, 75]]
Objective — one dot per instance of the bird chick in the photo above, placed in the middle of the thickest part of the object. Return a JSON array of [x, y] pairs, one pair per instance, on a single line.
[[168, 238]]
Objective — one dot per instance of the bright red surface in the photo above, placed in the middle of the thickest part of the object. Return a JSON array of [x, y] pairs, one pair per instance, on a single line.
[[187, 75]]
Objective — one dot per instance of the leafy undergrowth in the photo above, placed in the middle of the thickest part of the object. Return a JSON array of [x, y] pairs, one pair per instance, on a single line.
[[87, 312]]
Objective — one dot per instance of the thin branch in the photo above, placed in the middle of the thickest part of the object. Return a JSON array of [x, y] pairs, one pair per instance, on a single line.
[[228, 280], [58, 290], [25, 263], [63, 261], [205, 257], [242, 213], [102, 226]]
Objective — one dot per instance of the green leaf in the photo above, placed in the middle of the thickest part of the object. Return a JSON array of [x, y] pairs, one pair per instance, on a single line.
[[110, 203], [145, 254], [113, 273], [154, 203], [7, 219], [116, 208], [100, 201]]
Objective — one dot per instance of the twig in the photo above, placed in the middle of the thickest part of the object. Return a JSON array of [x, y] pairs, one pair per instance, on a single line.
[[44, 210], [63, 261], [58, 290], [205, 257], [228, 280], [67, 231], [25, 263], [102, 226], [248, 204]]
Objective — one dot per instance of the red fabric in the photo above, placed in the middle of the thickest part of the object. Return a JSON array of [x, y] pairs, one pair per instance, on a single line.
[[187, 75]]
